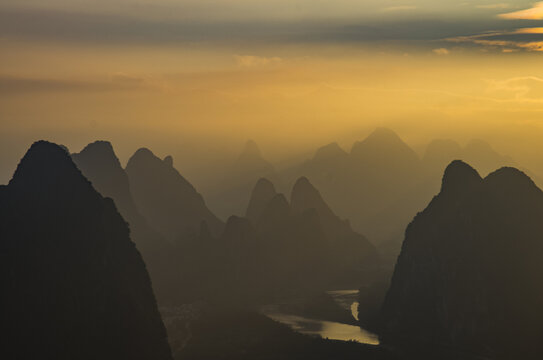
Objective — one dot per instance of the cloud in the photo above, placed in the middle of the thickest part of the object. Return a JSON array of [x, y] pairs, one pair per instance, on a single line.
[[534, 13], [256, 61], [10, 85], [520, 88], [388, 30], [494, 6], [399, 8], [441, 51], [528, 39]]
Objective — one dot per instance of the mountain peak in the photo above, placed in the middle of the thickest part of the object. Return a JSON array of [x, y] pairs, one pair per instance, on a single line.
[[102, 146], [48, 162], [510, 178], [251, 150], [169, 201], [98, 162], [459, 176], [143, 153], [305, 196], [383, 133], [261, 196], [278, 204], [329, 152], [383, 143], [98, 154], [65, 245], [168, 160]]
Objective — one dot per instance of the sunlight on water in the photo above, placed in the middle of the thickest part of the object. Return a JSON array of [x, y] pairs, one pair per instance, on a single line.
[[326, 329]]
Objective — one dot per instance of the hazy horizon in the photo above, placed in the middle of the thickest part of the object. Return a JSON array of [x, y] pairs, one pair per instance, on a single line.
[[196, 79]]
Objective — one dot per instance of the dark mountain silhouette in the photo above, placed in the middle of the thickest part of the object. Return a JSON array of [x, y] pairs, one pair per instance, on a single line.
[[166, 199], [305, 196], [241, 260], [230, 196], [305, 242], [381, 184], [261, 195], [353, 252], [468, 279], [98, 163], [74, 285]]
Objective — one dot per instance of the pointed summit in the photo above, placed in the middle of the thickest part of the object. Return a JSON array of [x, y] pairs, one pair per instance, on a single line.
[[382, 148], [49, 163], [305, 196], [262, 194], [169, 202], [143, 154], [380, 138], [73, 279], [329, 152], [168, 160], [459, 177], [250, 162], [103, 150], [250, 151], [511, 178], [98, 162]]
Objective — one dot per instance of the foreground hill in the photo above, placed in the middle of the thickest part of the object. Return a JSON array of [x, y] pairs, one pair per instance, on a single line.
[[74, 285], [468, 279]]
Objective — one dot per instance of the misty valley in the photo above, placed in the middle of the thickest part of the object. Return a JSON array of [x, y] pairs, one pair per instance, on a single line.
[[372, 253], [271, 180]]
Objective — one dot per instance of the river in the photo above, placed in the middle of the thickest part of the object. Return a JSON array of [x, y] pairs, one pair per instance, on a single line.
[[328, 329]]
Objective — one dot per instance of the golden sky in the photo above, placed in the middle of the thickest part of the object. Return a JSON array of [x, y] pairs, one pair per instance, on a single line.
[[201, 76]]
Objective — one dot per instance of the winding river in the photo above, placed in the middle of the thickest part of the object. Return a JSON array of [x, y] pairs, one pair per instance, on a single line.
[[328, 329]]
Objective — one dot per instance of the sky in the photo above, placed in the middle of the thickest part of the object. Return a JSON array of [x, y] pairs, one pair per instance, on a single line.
[[197, 78]]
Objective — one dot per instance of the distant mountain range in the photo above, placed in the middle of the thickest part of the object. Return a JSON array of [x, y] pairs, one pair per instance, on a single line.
[[466, 283], [189, 254], [381, 184]]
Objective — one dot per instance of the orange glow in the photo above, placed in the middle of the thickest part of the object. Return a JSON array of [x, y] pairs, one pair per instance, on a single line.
[[534, 13]]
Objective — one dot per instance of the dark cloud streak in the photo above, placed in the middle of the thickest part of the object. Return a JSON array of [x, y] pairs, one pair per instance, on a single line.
[[12, 85], [100, 29]]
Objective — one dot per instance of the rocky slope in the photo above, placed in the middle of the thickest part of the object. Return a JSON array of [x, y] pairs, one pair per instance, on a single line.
[[468, 279], [74, 285]]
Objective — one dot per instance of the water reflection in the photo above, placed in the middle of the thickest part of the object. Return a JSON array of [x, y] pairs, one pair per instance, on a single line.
[[327, 329]]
